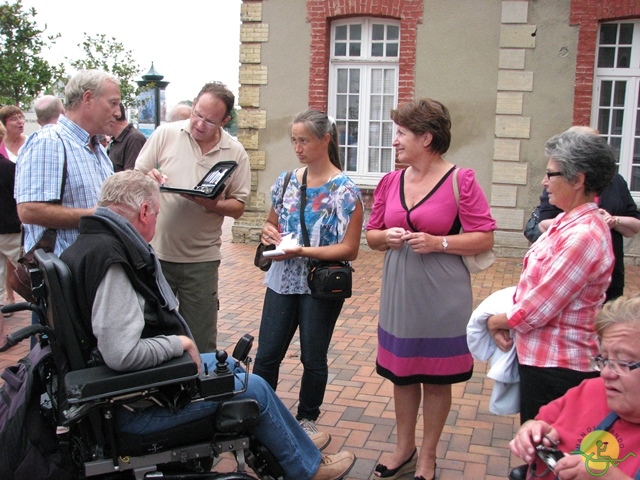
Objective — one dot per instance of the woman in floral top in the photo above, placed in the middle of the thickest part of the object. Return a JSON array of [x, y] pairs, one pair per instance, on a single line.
[[333, 217]]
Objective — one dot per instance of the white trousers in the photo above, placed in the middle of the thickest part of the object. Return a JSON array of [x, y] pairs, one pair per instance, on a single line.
[[9, 251]]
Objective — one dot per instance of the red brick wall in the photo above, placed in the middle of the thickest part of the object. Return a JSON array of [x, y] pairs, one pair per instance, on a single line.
[[587, 14], [320, 13]]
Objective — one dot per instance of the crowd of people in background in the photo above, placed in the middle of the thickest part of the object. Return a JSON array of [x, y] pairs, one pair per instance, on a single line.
[[90, 177]]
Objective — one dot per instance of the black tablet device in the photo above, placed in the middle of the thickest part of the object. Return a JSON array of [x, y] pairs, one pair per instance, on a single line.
[[211, 184]]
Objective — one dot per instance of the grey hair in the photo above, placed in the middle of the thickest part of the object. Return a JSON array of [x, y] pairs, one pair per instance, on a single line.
[[319, 124], [622, 310], [580, 152], [125, 192], [86, 80]]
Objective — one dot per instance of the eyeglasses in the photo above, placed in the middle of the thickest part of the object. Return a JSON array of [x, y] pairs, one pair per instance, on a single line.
[[16, 118], [553, 174], [206, 122], [616, 366]]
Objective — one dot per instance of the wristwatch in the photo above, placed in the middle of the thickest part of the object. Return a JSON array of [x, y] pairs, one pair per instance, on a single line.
[[445, 244]]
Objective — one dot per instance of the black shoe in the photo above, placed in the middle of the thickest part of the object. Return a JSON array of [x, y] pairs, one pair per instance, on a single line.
[[409, 465], [519, 473]]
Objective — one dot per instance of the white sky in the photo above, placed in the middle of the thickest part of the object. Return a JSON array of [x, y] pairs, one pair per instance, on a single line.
[[190, 42]]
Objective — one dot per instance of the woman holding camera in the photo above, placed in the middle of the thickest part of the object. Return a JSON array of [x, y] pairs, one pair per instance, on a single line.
[[572, 424]]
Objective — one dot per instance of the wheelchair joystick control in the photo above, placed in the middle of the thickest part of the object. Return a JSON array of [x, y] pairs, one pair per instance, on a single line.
[[218, 382], [222, 367]]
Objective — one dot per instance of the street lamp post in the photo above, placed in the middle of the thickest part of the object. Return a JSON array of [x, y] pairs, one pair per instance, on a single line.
[[152, 100]]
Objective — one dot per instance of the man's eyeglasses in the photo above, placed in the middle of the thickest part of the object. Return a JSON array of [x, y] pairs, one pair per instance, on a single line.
[[206, 122], [553, 174], [617, 366]]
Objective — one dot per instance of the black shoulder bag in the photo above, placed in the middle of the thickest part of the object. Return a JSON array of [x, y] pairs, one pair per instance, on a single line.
[[327, 279], [260, 261]]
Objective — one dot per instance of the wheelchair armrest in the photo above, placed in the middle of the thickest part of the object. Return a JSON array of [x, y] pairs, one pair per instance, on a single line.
[[100, 383]]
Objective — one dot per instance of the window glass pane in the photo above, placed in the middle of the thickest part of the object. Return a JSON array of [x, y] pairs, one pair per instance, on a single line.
[[392, 50], [352, 137], [616, 122], [635, 179], [388, 103], [354, 81], [389, 81], [343, 75], [341, 32], [355, 32], [354, 102], [624, 57], [374, 160], [352, 159], [341, 125], [606, 56], [377, 32], [608, 33], [626, 34], [620, 94], [375, 108], [393, 32], [615, 143], [374, 134], [603, 122], [354, 49], [376, 81], [637, 133], [387, 134], [341, 106], [605, 93], [387, 160], [340, 49], [377, 49]]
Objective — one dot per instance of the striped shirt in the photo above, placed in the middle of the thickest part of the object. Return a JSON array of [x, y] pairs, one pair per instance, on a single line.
[[40, 169], [562, 287]]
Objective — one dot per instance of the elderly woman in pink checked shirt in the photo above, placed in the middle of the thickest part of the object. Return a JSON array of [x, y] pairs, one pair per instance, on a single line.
[[564, 277]]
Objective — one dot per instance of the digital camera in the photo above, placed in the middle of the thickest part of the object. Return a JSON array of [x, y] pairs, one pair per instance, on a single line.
[[549, 455]]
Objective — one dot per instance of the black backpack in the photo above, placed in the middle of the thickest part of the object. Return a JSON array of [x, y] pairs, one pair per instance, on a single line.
[[30, 447]]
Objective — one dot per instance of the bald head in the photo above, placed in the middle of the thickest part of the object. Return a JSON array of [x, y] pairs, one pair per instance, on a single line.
[[181, 111], [48, 108]]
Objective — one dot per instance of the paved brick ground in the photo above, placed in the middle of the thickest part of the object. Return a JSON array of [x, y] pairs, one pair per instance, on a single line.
[[358, 407]]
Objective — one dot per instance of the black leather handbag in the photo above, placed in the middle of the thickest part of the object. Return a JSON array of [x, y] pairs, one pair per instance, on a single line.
[[260, 261]]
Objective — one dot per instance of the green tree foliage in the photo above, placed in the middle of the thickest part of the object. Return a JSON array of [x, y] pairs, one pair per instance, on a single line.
[[23, 72], [109, 55], [232, 125]]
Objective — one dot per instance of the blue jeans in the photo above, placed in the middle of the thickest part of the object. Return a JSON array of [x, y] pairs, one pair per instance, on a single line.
[[277, 430], [281, 316]]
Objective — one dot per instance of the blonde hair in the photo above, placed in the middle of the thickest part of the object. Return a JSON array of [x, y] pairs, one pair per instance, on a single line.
[[622, 310]]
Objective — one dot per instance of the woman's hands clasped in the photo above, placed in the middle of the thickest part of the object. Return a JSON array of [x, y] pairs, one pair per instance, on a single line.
[[419, 242]]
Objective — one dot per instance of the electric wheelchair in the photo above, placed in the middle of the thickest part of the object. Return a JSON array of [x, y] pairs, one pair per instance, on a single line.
[[81, 400]]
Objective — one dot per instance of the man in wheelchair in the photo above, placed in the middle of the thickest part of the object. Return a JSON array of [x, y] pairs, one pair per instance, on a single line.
[[133, 316]]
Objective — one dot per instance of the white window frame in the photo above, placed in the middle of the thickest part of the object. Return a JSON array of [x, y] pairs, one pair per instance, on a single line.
[[627, 136], [365, 64]]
